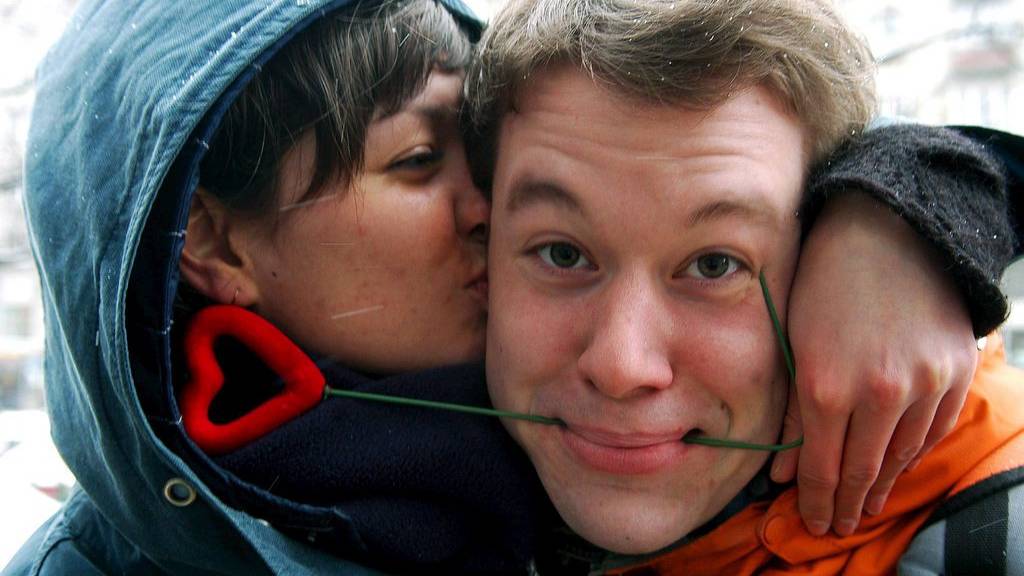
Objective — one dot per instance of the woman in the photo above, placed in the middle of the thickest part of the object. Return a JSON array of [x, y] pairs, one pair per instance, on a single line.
[[309, 167]]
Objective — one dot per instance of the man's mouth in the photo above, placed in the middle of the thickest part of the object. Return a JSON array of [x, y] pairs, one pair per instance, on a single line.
[[615, 439], [626, 453]]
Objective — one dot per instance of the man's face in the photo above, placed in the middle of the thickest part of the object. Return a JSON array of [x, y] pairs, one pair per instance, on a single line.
[[626, 245]]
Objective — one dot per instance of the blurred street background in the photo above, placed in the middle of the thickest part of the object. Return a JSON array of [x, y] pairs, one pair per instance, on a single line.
[[939, 62]]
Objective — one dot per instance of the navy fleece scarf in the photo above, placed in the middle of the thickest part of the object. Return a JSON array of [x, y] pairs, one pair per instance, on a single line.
[[399, 488]]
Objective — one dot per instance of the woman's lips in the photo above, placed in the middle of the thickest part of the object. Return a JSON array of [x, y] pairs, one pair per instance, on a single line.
[[478, 287], [625, 454]]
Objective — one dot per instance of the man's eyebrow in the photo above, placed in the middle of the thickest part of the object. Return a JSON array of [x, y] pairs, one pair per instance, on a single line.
[[531, 192], [753, 209]]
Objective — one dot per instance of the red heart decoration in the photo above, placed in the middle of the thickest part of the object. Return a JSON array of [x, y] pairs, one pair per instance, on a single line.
[[303, 381]]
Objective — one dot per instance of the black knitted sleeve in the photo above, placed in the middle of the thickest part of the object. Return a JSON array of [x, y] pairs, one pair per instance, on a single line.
[[947, 187], [1009, 149]]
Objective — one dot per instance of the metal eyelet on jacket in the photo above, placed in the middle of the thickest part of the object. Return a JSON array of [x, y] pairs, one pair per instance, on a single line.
[[179, 493]]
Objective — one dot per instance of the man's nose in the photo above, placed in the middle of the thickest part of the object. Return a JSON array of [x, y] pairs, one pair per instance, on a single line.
[[627, 355]]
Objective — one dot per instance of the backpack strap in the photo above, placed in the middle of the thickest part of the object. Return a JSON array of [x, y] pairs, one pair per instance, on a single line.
[[979, 530], [984, 537]]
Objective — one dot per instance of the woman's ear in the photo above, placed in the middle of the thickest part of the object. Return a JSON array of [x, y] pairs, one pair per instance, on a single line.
[[215, 262]]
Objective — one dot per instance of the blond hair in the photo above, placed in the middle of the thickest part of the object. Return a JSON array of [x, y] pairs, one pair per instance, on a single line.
[[688, 52]]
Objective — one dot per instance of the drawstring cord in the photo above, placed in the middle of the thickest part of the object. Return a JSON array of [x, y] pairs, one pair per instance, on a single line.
[[702, 440]]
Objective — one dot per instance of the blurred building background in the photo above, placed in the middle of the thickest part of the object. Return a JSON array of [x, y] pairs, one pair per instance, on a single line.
[[940, 62], [947, 61], [33, 478], [27, 28]]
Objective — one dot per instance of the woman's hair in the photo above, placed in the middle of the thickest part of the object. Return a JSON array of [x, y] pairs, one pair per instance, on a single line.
[[331, 80], [694, 53]]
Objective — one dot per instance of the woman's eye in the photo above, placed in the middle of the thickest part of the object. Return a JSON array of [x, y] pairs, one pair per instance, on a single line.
[[713, 266], [563, 255], [422, 157]]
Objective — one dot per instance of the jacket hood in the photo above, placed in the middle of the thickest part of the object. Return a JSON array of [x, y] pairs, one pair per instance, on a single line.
[[127, 100]]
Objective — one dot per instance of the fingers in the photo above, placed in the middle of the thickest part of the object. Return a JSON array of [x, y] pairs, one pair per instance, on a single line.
[[820, 456], [785, 463], [945, 419], [906, 444], [949, 408], [867, 440], [850, 462], [922, 426]]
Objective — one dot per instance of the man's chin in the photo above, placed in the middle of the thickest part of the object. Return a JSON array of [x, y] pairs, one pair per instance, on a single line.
[[630, 532]]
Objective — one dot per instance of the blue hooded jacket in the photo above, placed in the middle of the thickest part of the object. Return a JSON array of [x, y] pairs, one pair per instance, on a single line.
[[130, 90]]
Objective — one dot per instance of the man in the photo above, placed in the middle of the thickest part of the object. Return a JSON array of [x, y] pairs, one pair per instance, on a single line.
[[649, 161]]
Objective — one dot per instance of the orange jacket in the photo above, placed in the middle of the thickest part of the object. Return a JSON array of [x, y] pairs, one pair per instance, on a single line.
[[769, 537]]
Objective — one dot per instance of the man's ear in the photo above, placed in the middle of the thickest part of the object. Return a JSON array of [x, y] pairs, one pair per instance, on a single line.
[[215, 261]]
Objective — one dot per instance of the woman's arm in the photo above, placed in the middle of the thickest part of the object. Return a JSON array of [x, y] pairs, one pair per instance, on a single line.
[[898, 275]]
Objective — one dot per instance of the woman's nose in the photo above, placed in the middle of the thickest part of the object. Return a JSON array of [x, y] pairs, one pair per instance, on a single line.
[[472, 209]]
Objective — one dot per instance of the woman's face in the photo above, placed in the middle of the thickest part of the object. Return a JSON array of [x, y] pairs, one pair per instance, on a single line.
[[388, 273]]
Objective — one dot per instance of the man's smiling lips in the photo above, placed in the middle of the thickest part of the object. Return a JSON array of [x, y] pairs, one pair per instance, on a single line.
[[625, 454]]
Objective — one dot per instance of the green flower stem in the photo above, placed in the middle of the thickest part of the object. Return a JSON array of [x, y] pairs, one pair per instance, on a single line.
[[780, 334], [328, 391], [701, 440], [723, 443]]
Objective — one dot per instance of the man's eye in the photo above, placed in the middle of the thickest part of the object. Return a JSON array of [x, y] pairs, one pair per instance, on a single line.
[[712, 266], [563, 255]]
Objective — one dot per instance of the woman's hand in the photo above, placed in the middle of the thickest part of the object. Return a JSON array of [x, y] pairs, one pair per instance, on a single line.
[[884, 354]]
